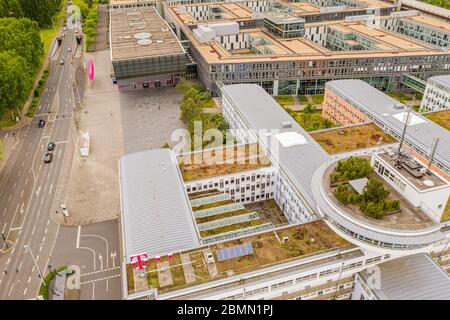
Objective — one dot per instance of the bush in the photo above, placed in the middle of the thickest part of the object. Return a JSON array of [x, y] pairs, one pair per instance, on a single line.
[[374, 191], [352, 168], [342, 193], [374, 210]]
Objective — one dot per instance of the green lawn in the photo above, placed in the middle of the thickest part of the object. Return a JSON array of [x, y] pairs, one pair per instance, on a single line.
[[310, 121], [400, 96], [285, 100], [317, 98], [303, 99], [47, 36]]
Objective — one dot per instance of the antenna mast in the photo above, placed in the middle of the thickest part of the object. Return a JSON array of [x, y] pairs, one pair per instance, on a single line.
[[404, 130]]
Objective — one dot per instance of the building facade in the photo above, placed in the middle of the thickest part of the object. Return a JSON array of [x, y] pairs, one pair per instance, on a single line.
[[437, 94]]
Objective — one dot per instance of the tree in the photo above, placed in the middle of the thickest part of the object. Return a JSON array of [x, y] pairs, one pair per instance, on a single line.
[[41, 11], [16, 81], [22, 37], [374, 191], [374, 210], [352, 168]]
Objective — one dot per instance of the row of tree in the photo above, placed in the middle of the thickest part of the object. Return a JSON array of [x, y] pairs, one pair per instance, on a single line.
[[41, 11], [195, 99], [21, 52], [372, 202], [89, 13]]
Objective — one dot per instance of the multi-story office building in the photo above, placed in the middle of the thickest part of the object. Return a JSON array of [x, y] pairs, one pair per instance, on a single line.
[[437, 94], [355, 101], [144, 50], [233, 246], [415, 277], [380, 47]]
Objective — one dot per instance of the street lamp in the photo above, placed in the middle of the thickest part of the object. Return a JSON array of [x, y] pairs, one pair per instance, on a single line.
[[28, 248]]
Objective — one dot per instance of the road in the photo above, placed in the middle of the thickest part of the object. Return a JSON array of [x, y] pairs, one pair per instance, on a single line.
[[94, 249], [28, 185]]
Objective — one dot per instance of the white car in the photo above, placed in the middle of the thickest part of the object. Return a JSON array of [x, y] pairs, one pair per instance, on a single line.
[[64, 210]]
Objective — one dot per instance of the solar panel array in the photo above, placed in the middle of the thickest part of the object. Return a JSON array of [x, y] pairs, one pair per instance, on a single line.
[[234, 252]]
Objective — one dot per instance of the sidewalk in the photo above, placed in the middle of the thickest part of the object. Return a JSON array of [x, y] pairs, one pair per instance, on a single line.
[[93, 187]]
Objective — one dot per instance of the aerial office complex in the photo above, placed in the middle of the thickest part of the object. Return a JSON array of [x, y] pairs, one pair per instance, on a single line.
[[291, 47], [282, 48], [437, 94], [307, 246]]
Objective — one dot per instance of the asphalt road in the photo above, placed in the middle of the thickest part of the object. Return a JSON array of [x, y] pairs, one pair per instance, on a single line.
[[95, 250], [27, 184]]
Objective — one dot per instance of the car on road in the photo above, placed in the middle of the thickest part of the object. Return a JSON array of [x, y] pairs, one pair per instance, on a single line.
[[69, 49], [62, 61], [51, 146], [48, 157], [64, 29], [41, 123]]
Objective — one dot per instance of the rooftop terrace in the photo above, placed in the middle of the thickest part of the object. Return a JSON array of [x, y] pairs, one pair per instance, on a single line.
[[222, 161], [140, 33], [408, 218], [192, 267], [442, 118], [352, 138]]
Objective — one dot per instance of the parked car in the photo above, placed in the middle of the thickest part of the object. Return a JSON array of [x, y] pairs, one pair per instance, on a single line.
[[41, 123], [51, 146], [61, 62], [48, 157]]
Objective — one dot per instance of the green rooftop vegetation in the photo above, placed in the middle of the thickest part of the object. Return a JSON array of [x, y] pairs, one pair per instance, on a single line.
[[442, 118], [285, 100], [352, 168], [440, 3], [352, 138], [303, 240], [310, 118], [222, 161], [373, 201]]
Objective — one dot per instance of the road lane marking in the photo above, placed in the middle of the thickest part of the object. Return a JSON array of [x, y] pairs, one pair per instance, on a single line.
[[13, 229], [29, 279], [100, 279], [34, 227], [25, 291], [9, 197], [51, 187], [21, 195], [78, 237], [4, 211], [95, 272], [10, 290], [26, 181]]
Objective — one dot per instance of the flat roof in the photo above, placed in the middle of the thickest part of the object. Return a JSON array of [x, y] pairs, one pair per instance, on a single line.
[[442, 80], [384, 108], [261, 112], [156, 215], [138, 33], [414, 277]]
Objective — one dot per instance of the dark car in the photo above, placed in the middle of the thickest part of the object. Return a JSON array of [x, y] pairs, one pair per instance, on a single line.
[[48, 157], [51, 146], [41, 123]]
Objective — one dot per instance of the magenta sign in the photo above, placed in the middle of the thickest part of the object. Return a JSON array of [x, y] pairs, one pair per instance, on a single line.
[[91, 69]]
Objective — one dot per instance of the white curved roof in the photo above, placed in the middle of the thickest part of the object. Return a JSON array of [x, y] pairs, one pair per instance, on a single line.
[[156, 215]]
